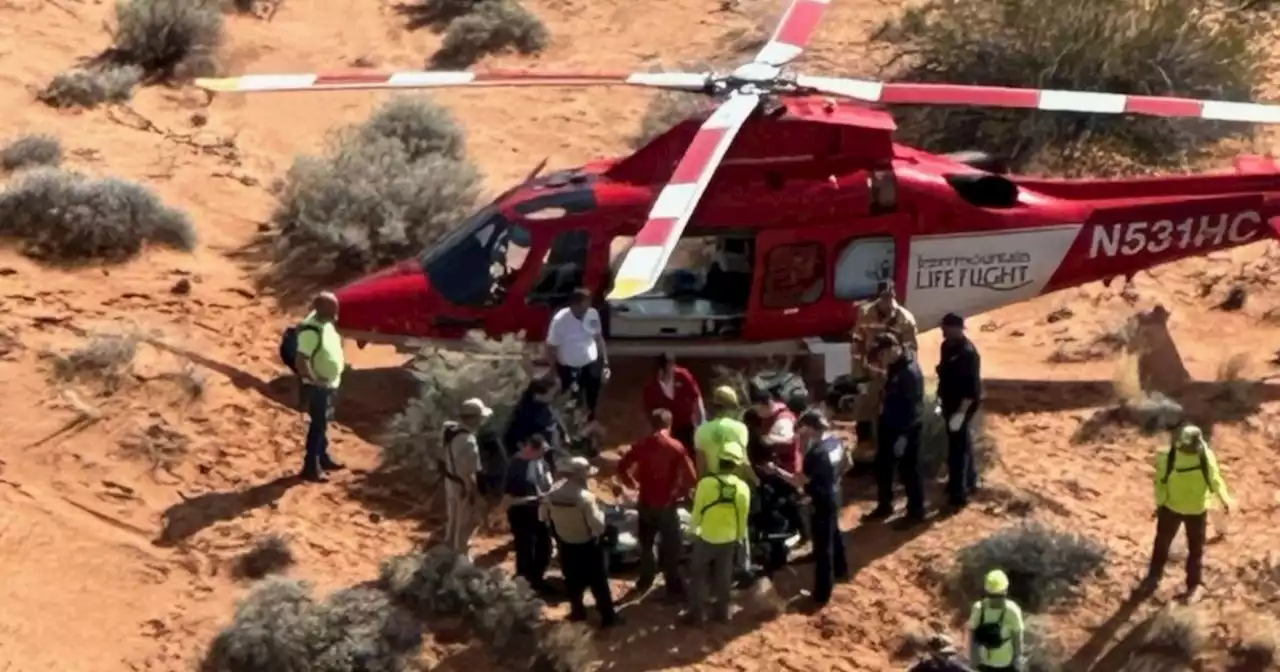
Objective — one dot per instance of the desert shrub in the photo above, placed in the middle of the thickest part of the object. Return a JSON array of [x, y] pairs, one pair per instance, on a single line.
[[438, 13], [167, 37], [412, 443], [62, 216], [1176, 632], [1257, 643], [279, 627], [268, 555], [492, 27], [1044, 565], [383, 192], [502, 612], [38, 149], [106, 358], [1160, 47], [1044, 652], [91, 86], [933, 442]]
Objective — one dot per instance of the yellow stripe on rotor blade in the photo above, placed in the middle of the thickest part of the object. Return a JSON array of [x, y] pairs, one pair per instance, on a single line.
[[627, 288], [218, 83]]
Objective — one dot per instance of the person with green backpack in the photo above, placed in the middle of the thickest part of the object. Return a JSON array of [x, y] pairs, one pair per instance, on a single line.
[[996, 627], [1187, 479]]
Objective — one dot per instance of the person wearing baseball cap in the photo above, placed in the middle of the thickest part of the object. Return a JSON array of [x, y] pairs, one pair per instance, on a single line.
[[996, 627], [725, 427], [959, 393], [898, 429]]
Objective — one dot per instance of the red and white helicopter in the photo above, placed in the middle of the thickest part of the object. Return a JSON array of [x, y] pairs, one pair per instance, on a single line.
[[794, 184]]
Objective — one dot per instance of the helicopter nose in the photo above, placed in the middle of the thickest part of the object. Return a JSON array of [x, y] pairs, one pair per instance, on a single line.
[[394, 301]]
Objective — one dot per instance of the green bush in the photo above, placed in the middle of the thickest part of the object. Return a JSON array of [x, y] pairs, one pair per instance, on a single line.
[[1044, 565], [279, 627], [61, 216], [30, 151], [384, 192], [504, 613], [91, 86], [412, 444], [492, 27], [167, 37], [1150, 47]]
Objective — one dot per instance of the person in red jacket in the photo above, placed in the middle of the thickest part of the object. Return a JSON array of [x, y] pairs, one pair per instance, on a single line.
[[662, 470], [675, 389]]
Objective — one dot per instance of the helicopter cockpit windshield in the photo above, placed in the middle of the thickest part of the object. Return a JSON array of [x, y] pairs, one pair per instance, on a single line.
[[476, 264]]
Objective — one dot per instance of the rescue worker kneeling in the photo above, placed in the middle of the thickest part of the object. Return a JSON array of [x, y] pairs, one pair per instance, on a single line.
[[996, 627], [721, 503], [578, 525]]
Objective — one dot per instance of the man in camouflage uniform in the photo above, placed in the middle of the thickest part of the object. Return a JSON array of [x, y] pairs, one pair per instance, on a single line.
[[880, 315]]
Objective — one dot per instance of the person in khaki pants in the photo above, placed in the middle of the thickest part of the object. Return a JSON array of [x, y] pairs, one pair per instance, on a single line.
[[1187, 478], [461, 469], [721, 504]]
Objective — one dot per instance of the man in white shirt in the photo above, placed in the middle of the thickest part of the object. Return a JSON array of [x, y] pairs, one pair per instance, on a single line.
[[575, 345]]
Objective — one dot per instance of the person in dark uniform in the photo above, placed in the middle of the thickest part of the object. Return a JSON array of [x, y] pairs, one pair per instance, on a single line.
[[898, 429], [534, 415], [959, 393], [825, 462], [528, 481]]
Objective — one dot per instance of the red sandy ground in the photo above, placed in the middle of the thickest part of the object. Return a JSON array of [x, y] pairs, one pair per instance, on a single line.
[[86, 588]]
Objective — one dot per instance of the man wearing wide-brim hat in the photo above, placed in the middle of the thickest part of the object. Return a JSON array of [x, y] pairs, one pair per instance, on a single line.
[[578, 525]]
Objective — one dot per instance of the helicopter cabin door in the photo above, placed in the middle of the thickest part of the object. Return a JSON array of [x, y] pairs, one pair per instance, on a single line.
[[809, 281]]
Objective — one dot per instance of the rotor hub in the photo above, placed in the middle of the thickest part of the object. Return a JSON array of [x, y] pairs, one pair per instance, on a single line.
[[756, 73]]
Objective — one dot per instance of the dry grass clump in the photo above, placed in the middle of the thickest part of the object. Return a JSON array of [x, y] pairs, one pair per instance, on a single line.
[[1176, 633], [270, 554], [1044, 565], [503, 613], [498, 374], [65, 217], [162, 446], [492, 27], [29, 151], [106, 359], [154, 41], [1161, 47], [385, 190], [1044, 650], [1236, 389], [279, 627], [1257, 643]]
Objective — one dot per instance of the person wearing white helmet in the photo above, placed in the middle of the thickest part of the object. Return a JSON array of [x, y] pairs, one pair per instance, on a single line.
[[996, 627], [1187, 479]]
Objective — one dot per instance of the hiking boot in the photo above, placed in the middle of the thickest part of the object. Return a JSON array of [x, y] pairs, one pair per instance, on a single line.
[[315, 475], [878, 513], [1193, 595], [331, 465], [611, 622], [1147, 586]]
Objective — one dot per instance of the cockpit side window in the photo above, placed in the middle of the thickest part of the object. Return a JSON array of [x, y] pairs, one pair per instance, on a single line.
[[478, 263], [563, 269]]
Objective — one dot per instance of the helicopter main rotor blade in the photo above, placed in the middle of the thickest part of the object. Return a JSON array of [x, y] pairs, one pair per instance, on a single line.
[[794, 32], [643, 264], [429, 79], [1054, 100]]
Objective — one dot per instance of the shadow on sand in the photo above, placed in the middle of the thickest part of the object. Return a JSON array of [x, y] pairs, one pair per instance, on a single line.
[[188, 517]]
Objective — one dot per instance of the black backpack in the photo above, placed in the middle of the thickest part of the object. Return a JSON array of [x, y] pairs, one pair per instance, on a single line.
[[989, 635], [289, 344]]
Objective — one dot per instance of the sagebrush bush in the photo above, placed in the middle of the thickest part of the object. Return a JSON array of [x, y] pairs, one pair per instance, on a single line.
[[91, 86], [65, 217], [1044, 652], [491, 27], [268, 555], [105, 358], [1176, 632], [384, 192], [1044, 565], [502, 612], [412, 443], [438, 13], [29, 151], [934, 442], [166, 38], [1147, 47], [279, 627]]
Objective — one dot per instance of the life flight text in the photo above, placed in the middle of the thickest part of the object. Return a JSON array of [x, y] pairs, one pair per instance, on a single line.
[[1156, 237]]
